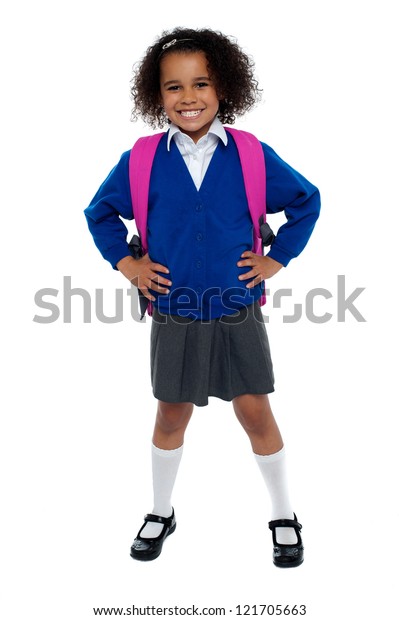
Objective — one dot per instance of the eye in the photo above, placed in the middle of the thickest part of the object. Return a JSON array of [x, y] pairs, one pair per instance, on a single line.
[[173, 88], [202, 84]]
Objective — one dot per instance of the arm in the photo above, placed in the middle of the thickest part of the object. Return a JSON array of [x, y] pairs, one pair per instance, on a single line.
[[287, 190], [111, 203]]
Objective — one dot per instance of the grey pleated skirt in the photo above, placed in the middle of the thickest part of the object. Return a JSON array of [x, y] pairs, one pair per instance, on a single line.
[[226, 357]]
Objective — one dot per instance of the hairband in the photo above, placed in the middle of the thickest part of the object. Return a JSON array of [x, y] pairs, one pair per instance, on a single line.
[[173, 42]]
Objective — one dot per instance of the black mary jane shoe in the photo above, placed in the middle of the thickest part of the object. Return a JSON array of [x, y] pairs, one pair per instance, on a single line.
[[287, 556], [146, 549]]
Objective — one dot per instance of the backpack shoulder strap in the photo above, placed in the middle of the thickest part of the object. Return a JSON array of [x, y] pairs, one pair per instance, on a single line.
[[140, 164], [254, 172]]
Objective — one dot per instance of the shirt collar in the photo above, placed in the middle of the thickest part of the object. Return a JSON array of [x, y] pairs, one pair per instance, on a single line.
[[216, 129]]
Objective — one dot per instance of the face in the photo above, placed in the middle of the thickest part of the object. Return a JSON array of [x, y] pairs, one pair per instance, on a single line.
[[188, 93]]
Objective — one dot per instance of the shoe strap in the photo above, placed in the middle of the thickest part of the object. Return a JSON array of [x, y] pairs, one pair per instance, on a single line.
[[157, 519], [285, 523]]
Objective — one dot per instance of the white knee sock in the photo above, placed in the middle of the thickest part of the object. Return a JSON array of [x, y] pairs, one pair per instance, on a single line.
[[273, 469], [165, 464]]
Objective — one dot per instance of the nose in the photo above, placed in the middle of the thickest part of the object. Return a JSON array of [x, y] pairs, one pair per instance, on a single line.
[[189, 96]]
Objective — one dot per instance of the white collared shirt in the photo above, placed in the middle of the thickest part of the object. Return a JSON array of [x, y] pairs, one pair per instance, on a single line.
[[198, 155]]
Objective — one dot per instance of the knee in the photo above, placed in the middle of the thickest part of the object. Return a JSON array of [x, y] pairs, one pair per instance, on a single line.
[[251, 421], [253, 417], [172, 417]]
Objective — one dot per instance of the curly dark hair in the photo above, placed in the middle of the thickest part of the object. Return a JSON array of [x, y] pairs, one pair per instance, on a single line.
[[230, 68]]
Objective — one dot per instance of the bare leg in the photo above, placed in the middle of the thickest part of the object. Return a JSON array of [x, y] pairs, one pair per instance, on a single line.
[[170, 424], [255, 415]]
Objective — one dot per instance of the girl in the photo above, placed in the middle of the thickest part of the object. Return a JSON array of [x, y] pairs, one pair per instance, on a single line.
[[208, 337]]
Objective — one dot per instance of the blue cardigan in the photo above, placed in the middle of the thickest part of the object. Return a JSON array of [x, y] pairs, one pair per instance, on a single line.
[[200, 234]]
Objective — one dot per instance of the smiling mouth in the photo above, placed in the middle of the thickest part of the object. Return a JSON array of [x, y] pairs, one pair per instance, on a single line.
[[189, 113]]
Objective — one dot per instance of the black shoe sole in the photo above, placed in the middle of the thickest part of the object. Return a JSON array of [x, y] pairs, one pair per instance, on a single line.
[[288, 564]]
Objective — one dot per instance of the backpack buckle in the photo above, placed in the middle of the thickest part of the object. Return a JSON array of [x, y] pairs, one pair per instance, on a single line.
[[266, 232]]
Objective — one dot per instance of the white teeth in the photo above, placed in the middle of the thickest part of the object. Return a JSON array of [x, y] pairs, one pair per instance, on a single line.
[[190, 113]]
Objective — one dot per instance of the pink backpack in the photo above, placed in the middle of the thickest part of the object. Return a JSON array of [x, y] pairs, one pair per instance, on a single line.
[[254, 172]]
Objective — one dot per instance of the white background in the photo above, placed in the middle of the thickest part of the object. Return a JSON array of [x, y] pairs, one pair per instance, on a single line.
[[77, 411]]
